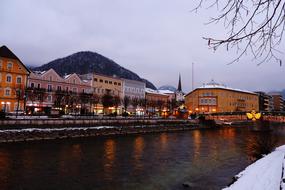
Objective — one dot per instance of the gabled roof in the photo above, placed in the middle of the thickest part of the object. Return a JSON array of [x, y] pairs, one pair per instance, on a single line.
[[7, 53]]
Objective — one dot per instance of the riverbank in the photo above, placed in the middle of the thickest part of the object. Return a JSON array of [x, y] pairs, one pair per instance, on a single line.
[[34, 134], [266, 173], [89, 122]]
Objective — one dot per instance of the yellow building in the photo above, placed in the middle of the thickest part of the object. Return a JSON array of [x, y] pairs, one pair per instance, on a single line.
[[103, 84], [214, 97], [13, 79]]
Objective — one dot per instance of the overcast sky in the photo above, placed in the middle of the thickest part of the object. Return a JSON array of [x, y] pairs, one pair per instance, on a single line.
[[157, 39]]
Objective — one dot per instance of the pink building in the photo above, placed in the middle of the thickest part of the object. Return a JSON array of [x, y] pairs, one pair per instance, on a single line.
[[47, 90]]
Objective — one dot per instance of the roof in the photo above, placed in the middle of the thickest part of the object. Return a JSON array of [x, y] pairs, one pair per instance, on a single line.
[[214, 85], [166, 91], [149, 90], [7, 53]]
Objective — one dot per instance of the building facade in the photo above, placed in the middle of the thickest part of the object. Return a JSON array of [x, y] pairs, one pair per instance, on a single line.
[[156, 103], [106, 85], [278, 102], [135, 92], [103, 84], [213, 97], [13, 80], [133, 89], [47, 90], [265, 102]]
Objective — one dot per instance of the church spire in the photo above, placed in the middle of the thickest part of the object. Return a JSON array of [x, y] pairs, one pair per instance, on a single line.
[[179, 88]]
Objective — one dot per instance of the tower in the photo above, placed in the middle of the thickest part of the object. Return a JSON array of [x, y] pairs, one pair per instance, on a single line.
[[179, 96], [179, 88]]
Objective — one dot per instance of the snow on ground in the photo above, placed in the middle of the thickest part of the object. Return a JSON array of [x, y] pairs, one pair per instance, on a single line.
[[54, 129], [264, 174]]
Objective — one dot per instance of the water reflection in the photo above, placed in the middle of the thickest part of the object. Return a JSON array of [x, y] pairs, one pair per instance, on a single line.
[[138, 152], [204, 158], [4, 169], [259, 144], [197, 143], [109, 158]]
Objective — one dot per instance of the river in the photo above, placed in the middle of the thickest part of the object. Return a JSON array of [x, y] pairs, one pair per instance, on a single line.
[[204, 159]]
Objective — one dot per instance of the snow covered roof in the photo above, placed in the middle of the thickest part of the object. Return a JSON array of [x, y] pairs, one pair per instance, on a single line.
[[165, 91], [214, 85], [149, 90]]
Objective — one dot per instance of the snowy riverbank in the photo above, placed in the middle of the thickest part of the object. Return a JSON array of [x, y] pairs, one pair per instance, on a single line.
[[265, 174]]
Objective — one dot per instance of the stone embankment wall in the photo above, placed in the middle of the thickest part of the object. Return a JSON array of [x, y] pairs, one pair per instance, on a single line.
[[24, 123], [32, 134]]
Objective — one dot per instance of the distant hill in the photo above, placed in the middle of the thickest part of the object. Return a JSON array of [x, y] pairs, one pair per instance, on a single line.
[[167, 87], [87, 62]]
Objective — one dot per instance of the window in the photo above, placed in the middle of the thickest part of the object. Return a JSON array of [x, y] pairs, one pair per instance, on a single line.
[[19, 80], [7, 92], [115, 83], [66, 89], [106, 81], [101, 80], [39, 85], [9, 65], [50, 78], [73, 81], [49, 98], [95, 79], [110, 82], [1, 64], [58, 88], [32, 85], [119, 84], [49, 87], [83, 90], [9, 78]]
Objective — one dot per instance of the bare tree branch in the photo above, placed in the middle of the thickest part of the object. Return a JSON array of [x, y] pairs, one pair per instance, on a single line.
[[254, 27]]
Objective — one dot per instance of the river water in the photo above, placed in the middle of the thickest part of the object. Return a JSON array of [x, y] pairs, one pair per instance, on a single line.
[[204, 159]]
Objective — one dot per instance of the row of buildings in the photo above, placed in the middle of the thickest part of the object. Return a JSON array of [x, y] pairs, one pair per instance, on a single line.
[[216, 98], [47, 91]]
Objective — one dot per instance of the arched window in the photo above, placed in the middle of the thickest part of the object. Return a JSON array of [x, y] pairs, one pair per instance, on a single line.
[[19, 80], [9, 78], [9, 65], [7, 91]]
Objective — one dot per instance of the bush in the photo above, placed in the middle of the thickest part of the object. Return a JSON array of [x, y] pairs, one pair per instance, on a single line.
[[2, 114], [125, 114]]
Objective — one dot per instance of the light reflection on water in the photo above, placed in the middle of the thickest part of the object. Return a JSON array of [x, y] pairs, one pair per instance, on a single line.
[[202, 158]]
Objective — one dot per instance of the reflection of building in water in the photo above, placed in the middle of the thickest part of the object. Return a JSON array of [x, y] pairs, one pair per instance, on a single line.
[[5, 167], [163, 141], [197, 143], [138, 151], [109, 157], [260, 144]]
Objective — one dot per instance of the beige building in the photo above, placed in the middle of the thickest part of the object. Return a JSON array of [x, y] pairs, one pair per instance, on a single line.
[[103, 84], [214, 97]]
